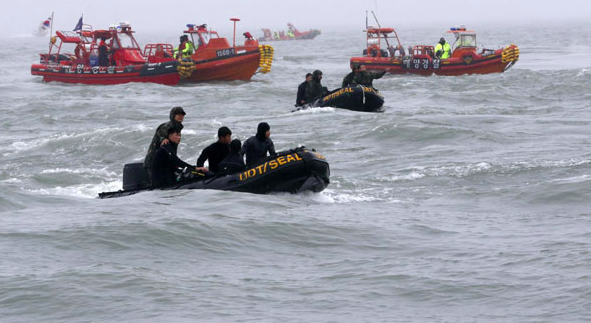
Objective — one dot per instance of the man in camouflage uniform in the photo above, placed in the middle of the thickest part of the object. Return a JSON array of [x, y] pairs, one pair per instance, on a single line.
[[357, 76], [177, 115]]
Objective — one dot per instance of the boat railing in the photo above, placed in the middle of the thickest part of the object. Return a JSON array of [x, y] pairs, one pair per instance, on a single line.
[[153, 52]]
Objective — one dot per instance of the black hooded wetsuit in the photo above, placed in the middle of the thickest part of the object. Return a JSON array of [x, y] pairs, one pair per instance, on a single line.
[[165, 164], [314, 90], [256, 147]]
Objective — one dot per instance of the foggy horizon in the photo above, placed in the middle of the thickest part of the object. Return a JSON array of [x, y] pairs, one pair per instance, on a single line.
[[24, 17]]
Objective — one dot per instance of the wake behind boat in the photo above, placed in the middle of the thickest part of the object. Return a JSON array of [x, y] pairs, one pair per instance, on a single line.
[[293, 171]]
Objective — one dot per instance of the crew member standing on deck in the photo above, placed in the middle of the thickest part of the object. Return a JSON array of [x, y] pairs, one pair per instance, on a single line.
[[442, 50], [185, 49], [103, 49]]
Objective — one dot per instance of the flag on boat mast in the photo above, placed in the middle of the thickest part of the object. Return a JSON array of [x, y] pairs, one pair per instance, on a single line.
[[44, 27], [79, 24]]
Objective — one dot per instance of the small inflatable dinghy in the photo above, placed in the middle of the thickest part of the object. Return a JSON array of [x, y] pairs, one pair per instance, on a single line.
[[291, 171], [356, 98]]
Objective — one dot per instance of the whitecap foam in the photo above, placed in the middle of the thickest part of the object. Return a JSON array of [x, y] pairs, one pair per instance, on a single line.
[[418, 172], [93, 171], [460, 171], [401, 178], [216, 123], [315, 110], [330, 196], [11, 181], [572, 180], [571, 162], [583, 72], [141, 127], [85, 190]]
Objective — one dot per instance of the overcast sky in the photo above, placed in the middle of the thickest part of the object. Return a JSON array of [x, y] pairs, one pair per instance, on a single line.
[[21, 17]]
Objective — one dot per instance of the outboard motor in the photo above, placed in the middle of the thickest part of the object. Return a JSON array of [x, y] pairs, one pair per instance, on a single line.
[[134, 177]]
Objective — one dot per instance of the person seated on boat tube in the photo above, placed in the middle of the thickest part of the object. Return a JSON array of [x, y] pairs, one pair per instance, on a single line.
[[103, 49], [185, 48], [167, 163], [256, 147], [361, 77], [301, 96], [442, 49], [314, 88], [233, 163], [217, 151]]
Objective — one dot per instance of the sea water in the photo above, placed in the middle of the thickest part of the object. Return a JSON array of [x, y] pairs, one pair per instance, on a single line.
[[467, 200]]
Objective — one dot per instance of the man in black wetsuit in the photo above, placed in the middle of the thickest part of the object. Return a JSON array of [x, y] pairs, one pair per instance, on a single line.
[[301, 97], [233, 162], [177, 115], [217, 151], [256, 147], [166, 161], [314, 89], [358, 76]]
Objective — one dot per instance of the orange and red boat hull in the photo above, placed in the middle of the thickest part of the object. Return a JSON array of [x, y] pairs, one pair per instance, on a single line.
[[241, 66], [160, 73], [462, 62]]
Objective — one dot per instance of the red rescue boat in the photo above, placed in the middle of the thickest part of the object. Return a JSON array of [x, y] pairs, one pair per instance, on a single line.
[[292, 34], [125, 60], [214, 59], [465, 57]]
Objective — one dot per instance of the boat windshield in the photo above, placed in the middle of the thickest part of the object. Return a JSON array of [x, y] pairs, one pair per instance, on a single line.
[[196, 41], [467, 40], [126, 41], [206, 36], [86, 39]]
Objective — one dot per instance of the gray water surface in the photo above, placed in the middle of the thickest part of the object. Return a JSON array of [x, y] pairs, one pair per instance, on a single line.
[[467, 200]]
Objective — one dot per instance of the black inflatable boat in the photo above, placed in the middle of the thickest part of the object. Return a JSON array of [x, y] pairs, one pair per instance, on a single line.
[[291, 171], [356, 98]]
